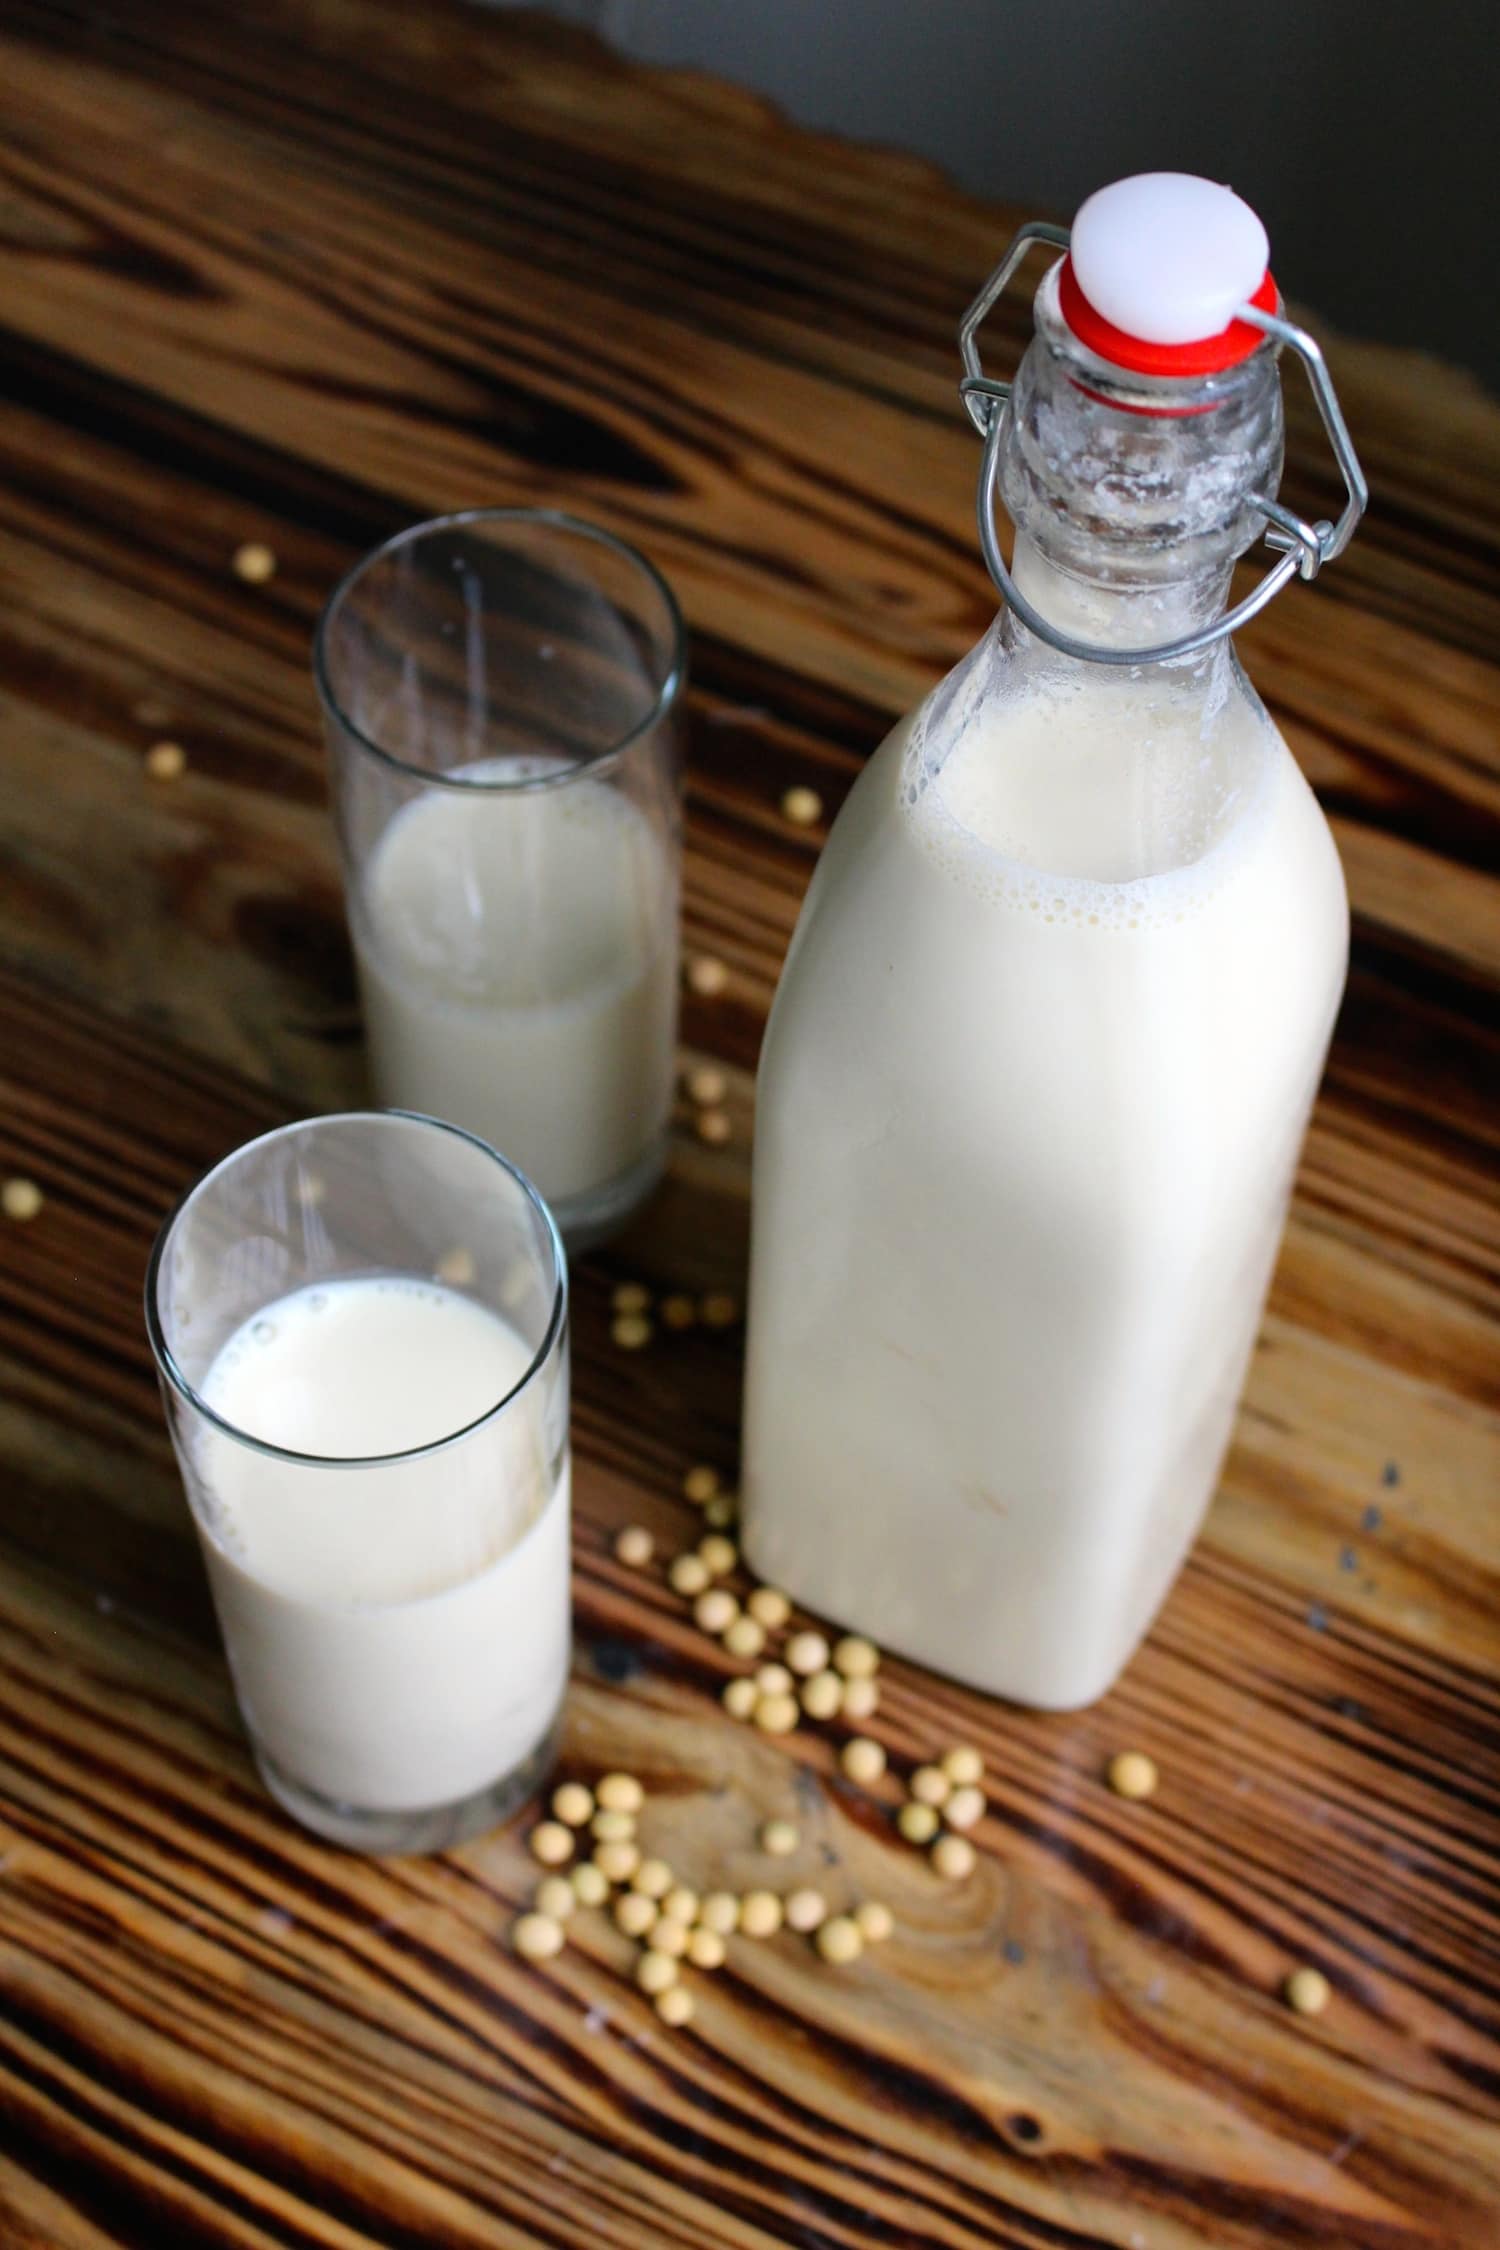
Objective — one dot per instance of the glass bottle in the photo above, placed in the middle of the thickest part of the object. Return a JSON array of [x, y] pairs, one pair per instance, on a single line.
[[1039, 1067]]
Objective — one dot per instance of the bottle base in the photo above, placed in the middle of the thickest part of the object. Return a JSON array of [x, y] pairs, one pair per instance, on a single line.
[[428, 1829], [1049, 1689]]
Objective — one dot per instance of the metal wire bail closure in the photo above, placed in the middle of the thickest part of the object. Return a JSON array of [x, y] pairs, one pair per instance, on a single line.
[[1303, 547]]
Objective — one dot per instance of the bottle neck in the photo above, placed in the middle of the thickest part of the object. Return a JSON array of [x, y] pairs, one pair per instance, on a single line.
[[1109, 614], [1132, 495]]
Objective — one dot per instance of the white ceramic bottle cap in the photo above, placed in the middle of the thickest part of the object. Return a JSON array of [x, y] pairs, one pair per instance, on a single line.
[[1168, 257]]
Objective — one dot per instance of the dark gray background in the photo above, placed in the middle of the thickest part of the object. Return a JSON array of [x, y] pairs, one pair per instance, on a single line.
[[1363, 132]]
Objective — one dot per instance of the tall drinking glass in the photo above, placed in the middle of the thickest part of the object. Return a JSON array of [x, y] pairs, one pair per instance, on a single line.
[[360, 1326], [500, 694]]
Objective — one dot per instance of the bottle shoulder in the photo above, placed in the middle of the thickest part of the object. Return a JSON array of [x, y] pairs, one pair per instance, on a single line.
[[1111, 802]]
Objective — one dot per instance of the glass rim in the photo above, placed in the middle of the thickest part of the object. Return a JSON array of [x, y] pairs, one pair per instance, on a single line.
[[168, 1369], [555, 519]]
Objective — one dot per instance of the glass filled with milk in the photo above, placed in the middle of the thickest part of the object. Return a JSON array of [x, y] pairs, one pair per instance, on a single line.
[[360, 1326], [500, 693], [1056, 1009]]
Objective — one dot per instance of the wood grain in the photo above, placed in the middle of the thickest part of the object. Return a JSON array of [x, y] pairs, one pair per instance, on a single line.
[[298, 274]]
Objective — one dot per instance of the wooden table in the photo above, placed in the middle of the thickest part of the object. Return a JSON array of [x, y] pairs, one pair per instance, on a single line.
[[297, 274]]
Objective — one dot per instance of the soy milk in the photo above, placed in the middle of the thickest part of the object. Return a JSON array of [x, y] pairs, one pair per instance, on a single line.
[[1055, 1012], [1028, 1113], [517, 959], [398, 1633]]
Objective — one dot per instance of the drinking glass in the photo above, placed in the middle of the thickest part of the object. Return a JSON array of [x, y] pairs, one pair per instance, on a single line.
[[500, 696], [360, 1328]]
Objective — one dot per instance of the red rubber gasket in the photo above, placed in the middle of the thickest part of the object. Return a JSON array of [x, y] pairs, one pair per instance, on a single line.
[[1208, 355]]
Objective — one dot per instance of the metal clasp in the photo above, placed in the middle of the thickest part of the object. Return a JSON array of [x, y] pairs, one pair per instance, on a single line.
[[1303, 547]]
